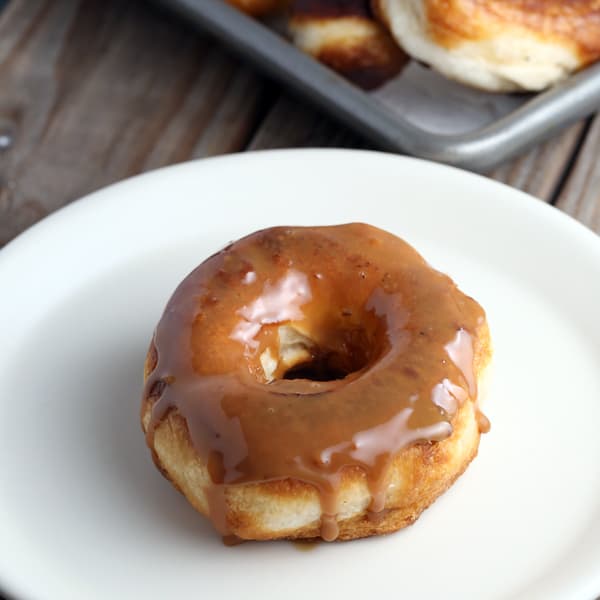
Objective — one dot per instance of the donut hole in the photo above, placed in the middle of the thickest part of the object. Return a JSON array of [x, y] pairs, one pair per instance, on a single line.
[[316, 370], [333, 355], [329, 366]]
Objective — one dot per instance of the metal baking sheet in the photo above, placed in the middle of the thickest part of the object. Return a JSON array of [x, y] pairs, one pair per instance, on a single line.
[[418, 112]]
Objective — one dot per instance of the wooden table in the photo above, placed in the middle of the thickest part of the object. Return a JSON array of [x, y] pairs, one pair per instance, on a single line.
[[93, 91]]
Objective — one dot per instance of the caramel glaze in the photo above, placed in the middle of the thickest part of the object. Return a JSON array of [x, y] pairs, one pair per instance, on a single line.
[[397, 335]]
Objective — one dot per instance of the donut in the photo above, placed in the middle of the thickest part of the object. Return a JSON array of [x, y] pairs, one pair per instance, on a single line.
[[259, 8], [497, 45], [343, 35], [315, 382]]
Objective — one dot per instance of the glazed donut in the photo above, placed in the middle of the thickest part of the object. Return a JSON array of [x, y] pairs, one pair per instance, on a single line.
[[497, 45], [343, 35], [315, 382]]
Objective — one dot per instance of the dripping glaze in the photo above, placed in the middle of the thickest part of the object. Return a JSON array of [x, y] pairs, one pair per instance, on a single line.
[[365, 379]]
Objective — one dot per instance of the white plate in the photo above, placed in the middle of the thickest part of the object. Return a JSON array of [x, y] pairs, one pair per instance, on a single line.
[[84, 513]]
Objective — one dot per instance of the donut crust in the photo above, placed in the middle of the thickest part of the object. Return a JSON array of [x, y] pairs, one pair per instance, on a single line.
[[259, 8], [497, 45], [290, 509], [345, 37]]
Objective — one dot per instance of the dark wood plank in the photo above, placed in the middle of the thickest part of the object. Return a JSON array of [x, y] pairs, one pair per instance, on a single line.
[[540, 171], [93, 91], [580, 197]]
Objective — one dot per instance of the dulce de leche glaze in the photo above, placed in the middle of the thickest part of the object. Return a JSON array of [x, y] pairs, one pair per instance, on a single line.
[[386, 360]]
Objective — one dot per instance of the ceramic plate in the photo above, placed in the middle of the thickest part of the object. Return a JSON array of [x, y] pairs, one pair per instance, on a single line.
[[84, 513]]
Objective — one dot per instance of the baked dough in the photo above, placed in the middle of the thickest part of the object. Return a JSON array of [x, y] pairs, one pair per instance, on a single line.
[[345, 37], [259, 8], [497, 45]]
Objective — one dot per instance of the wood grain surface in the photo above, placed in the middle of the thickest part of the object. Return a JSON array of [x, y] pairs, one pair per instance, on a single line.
[[94, 91], [580, 197]]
